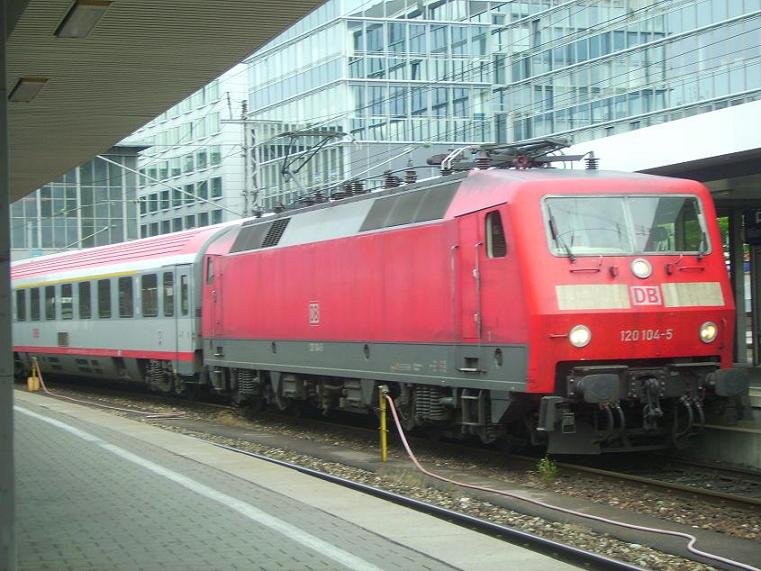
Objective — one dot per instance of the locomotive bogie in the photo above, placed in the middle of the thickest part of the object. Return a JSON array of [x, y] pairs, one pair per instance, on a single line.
[[456, 411]]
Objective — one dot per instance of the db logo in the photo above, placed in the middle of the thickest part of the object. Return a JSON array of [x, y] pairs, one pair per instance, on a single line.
[[314, 313], [646, 295]]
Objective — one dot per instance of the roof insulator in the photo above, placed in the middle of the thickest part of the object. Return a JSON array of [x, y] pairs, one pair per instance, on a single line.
[[389, 180], [278, 208], [521, 162], [410, 175], [342, 192], [257, 213], [357, 187], [593, 163], [483, 161], [319, 197]]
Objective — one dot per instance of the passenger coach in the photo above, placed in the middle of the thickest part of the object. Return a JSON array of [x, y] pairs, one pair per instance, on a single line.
[[127, 311]]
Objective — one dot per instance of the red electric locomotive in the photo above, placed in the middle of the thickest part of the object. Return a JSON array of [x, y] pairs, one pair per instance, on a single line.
[[587, 311]]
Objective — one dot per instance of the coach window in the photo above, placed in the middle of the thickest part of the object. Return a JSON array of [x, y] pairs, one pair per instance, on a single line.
[[496, 247], [34, 304], [104, 299], [67, 302], [168, 294], [126, 299], [85, 305], [20, 305], [50, 303], [150, 295], [184, 295]]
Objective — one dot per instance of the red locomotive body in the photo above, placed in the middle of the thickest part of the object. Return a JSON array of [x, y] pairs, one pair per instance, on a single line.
[[575, 301]]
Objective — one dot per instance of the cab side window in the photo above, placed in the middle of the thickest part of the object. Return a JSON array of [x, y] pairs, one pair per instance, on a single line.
[[496, 246]]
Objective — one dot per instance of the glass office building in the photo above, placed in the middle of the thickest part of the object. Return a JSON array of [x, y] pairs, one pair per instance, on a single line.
[[93, 204], [397, 81], [191, 172]]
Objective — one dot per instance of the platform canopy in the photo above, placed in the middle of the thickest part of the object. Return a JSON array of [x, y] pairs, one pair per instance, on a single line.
[[140, 58], [721, 148]]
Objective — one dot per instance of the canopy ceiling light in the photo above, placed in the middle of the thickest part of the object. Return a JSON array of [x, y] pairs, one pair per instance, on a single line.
[[81, 18], [27, 89]]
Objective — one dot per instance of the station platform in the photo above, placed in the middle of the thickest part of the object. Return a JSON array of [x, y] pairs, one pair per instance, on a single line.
[[739, 444], [98, 491]]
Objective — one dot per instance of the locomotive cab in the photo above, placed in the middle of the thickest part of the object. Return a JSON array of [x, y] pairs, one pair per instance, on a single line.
[[631, 312]]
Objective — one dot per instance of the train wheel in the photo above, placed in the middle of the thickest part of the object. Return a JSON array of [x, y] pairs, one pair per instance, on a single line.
[[192, 391]]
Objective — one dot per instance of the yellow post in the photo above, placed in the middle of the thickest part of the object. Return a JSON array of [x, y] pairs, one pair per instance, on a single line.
[[382, 392], [33, 381]]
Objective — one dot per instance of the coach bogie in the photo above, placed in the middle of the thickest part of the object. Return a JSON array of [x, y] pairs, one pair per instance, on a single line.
[[160, 376]]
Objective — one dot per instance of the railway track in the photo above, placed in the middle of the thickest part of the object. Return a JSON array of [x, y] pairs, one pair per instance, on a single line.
[[747, 483]]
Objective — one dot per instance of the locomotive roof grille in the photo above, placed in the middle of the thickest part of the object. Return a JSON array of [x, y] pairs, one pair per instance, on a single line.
[[409, 208], [275, 232], [254, 235]]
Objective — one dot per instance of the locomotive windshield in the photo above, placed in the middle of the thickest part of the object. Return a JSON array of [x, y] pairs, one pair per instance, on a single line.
[[625, 224]]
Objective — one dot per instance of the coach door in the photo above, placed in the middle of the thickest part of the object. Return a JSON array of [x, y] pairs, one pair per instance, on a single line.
[[183, 312], [468, 276]]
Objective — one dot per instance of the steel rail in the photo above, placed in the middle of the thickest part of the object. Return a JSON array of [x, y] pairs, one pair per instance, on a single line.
[[743, 500], [709, 466]]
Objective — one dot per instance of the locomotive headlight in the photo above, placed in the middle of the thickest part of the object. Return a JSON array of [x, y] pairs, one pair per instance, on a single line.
[[580, 336], [708, 332], [641, 268]]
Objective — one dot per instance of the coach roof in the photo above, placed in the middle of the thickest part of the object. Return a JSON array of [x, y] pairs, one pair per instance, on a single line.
[[179, 247]]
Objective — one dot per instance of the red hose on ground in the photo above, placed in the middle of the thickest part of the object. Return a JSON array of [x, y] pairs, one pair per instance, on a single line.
[[691, 538]]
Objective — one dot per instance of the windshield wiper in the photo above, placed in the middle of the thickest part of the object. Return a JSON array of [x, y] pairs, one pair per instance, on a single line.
[[703, 247], [558, 240]]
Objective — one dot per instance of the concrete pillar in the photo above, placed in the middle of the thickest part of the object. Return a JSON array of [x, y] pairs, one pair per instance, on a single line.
[[7, 500], [738, 283]]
